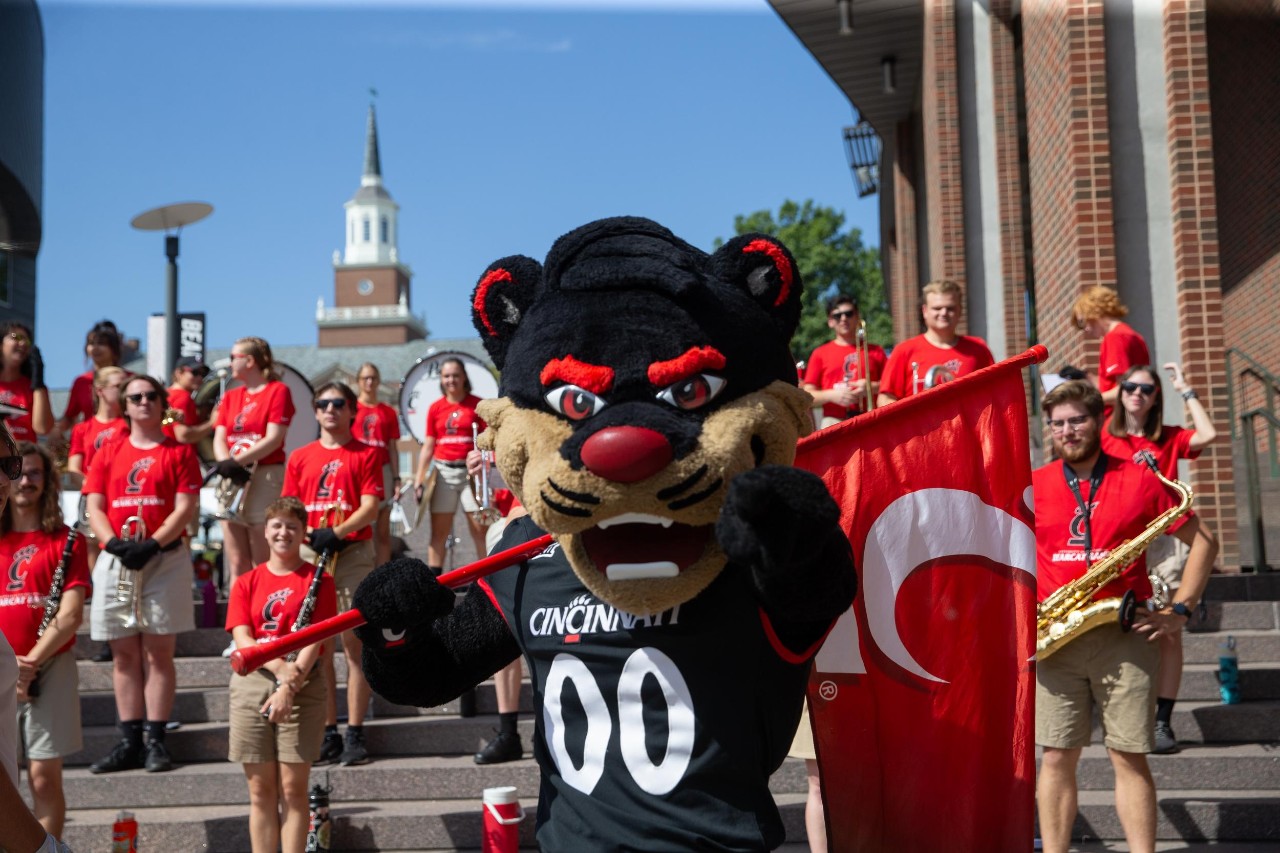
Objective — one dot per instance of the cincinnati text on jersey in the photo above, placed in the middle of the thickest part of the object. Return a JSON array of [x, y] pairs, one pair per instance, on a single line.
[[585, 615], [1079, 556], [138, 500], [23, 599]]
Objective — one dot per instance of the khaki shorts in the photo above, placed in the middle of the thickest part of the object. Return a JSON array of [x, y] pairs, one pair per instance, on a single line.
[[355, 563], [264, 490], [166, 596], [1109, 668], [388, 487], [802, 746], [49, 725], [452, 486], [1166, 558], [253, 740]]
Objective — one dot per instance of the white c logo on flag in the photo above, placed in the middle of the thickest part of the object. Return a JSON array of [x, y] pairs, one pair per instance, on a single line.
[[915, 529]]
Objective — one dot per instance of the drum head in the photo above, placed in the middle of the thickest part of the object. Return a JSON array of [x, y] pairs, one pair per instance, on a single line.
[[421, 387], [303, 429]]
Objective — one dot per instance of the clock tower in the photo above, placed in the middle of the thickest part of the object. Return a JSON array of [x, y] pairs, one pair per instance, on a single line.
[[371, 286]]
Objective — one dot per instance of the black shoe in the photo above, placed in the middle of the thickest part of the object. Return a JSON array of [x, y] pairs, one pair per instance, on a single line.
[[1166, 743], [103, 654], [156, 757], [504, 747], [355, 753], [330, 749], [124, 756]]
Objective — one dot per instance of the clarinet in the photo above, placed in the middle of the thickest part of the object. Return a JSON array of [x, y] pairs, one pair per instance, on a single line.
[[304, 612], [54, 598]]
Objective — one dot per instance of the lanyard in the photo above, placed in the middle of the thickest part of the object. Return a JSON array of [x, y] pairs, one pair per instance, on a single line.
[[1095, 482]]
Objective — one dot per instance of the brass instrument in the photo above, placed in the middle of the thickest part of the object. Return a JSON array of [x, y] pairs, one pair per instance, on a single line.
[[487, 514], [864, 352], [128, 584], [332, 516], [936, 375], [231, 495], [172, 416], [82, 524], [915, 377], [1071, 610]]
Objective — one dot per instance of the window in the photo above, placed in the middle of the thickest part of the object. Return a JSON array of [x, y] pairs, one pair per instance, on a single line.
[[366, 229], [385, 231]]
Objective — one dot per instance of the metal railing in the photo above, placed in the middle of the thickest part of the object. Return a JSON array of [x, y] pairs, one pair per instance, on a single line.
[[1257, 531], [1242, 426]]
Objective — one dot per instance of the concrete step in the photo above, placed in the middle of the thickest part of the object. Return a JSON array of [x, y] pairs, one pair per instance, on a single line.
[[1195, 814], [1237, 767], [202, 642], [455, 777], [405, 736], [361, 825], [1251, 586], [1251, 646], [1258, 681], [1215, 723], [1237, 616]]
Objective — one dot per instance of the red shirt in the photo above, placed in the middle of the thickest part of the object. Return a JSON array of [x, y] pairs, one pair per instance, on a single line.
[[18, 393], [319, 476], [91, 435], [450, 425], [968, 354], [180, 398], [143, 482], [80, 398], [245, 417], [1174, 444], [1122, 348], [269, 603], [31, 558], [377, 426], [1128, 500], [835, 362]]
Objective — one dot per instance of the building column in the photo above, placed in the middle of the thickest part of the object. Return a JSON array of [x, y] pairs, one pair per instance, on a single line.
[[904, 245]]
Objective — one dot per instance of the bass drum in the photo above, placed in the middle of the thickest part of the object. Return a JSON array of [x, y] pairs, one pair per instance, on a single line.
[[421, 387], [303, 429]]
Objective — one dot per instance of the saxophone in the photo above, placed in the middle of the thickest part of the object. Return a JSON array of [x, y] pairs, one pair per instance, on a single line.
[[1071, 611]]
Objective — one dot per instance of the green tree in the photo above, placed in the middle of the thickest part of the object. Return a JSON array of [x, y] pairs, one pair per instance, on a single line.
[[830, 261]]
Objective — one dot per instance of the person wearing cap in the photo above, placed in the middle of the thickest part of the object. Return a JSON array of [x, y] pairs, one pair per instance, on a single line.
[[188, 375]]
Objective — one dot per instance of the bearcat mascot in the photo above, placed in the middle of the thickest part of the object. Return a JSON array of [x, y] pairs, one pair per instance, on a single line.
[[648, 419]]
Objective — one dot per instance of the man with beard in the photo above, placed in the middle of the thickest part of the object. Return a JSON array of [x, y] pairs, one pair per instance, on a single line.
[[1086, 504]]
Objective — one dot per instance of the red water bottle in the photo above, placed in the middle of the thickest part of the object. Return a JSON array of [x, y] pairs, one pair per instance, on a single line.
[[124, 834], [502, 816]]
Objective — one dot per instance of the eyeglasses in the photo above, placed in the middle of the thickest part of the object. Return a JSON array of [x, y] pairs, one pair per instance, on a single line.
[[841, 315], [370, 378], [11, 465], [236, 355], [337, 403], [1145, 387], [1074, 423], [31, 474], [149, 396], [18, 337]]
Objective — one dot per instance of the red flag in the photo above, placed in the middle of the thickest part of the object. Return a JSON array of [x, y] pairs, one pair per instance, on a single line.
[[922, 697]]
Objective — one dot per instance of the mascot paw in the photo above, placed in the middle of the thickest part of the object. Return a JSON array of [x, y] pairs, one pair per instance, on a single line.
[[396, 598]]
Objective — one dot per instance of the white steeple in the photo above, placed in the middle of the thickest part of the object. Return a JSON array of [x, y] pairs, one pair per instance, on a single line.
[[372, 227]]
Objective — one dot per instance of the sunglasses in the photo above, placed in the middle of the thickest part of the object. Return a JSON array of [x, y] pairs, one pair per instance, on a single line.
[[336, 403], [1145, 387], [149, 396], [20, 338], [842, 315], [11, 465]]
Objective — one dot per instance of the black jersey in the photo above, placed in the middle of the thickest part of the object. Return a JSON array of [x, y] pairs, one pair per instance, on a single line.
[[654, 732]]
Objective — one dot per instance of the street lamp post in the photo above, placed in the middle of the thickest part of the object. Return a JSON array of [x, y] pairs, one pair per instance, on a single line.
[[171, 218]]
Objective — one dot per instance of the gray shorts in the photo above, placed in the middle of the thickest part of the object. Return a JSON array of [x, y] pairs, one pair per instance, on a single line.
[[388, 487], [1166, 558], [453, 486], [49, 725], [166, 597]]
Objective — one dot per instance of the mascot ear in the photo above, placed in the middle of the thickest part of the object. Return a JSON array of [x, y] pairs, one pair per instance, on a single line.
[[500, 301], [762, 267]]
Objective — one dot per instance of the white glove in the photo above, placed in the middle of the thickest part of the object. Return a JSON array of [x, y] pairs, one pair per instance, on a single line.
[[52, 845]]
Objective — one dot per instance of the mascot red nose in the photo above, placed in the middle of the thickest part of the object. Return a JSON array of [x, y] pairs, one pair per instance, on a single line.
[[648, 419]]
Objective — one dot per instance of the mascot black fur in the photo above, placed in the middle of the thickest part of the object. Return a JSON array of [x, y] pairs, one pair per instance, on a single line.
[[648, 420]]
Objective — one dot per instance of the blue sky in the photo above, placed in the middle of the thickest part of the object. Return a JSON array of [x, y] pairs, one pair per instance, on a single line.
[[502, 125]]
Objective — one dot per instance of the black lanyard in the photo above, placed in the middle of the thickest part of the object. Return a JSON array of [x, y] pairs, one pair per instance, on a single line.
[[1095, 482]]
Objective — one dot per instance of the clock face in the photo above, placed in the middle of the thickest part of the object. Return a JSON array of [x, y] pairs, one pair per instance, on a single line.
[[364, 287]]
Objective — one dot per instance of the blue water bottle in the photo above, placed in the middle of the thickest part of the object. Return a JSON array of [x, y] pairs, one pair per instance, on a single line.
[[1229, 672]]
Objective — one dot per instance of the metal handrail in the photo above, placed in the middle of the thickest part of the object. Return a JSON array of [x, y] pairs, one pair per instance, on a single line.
[[1254, 480], [1270, 385]]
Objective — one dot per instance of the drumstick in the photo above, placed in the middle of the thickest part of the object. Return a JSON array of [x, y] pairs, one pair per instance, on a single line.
[[250, 658]]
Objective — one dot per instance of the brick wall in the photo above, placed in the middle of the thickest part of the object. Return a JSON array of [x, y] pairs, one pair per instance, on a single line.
[[1009, 173], [904, 269], [1195, 245], [1072, 223]]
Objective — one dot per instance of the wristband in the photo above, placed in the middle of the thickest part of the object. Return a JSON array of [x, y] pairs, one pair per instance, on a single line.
[[1190, 394]]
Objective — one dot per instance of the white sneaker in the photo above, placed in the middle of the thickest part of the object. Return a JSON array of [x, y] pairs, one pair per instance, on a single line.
[[226, 653]]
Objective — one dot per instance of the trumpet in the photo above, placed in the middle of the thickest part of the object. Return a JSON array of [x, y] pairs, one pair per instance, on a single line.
[[487, 514], [331, 516], [128, 584], [864, 353]]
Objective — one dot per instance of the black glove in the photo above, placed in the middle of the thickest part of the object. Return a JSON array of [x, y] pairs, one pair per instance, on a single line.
[[1070, 372], [36, 363], [233, 471], [138, 554], [324, 539], [116, 546], [396, 597]]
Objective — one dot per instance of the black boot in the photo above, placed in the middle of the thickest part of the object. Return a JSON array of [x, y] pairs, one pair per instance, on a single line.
[[155, 756], [126, 754]]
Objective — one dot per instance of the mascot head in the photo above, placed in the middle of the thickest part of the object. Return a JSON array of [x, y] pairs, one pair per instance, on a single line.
[[640, 375]]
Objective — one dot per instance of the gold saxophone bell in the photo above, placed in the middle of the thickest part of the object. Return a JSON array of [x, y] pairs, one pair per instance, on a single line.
[[128, 584], [1071, 610]]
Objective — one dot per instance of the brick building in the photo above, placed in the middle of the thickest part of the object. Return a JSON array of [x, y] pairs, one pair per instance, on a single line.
[[1033, 149]]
